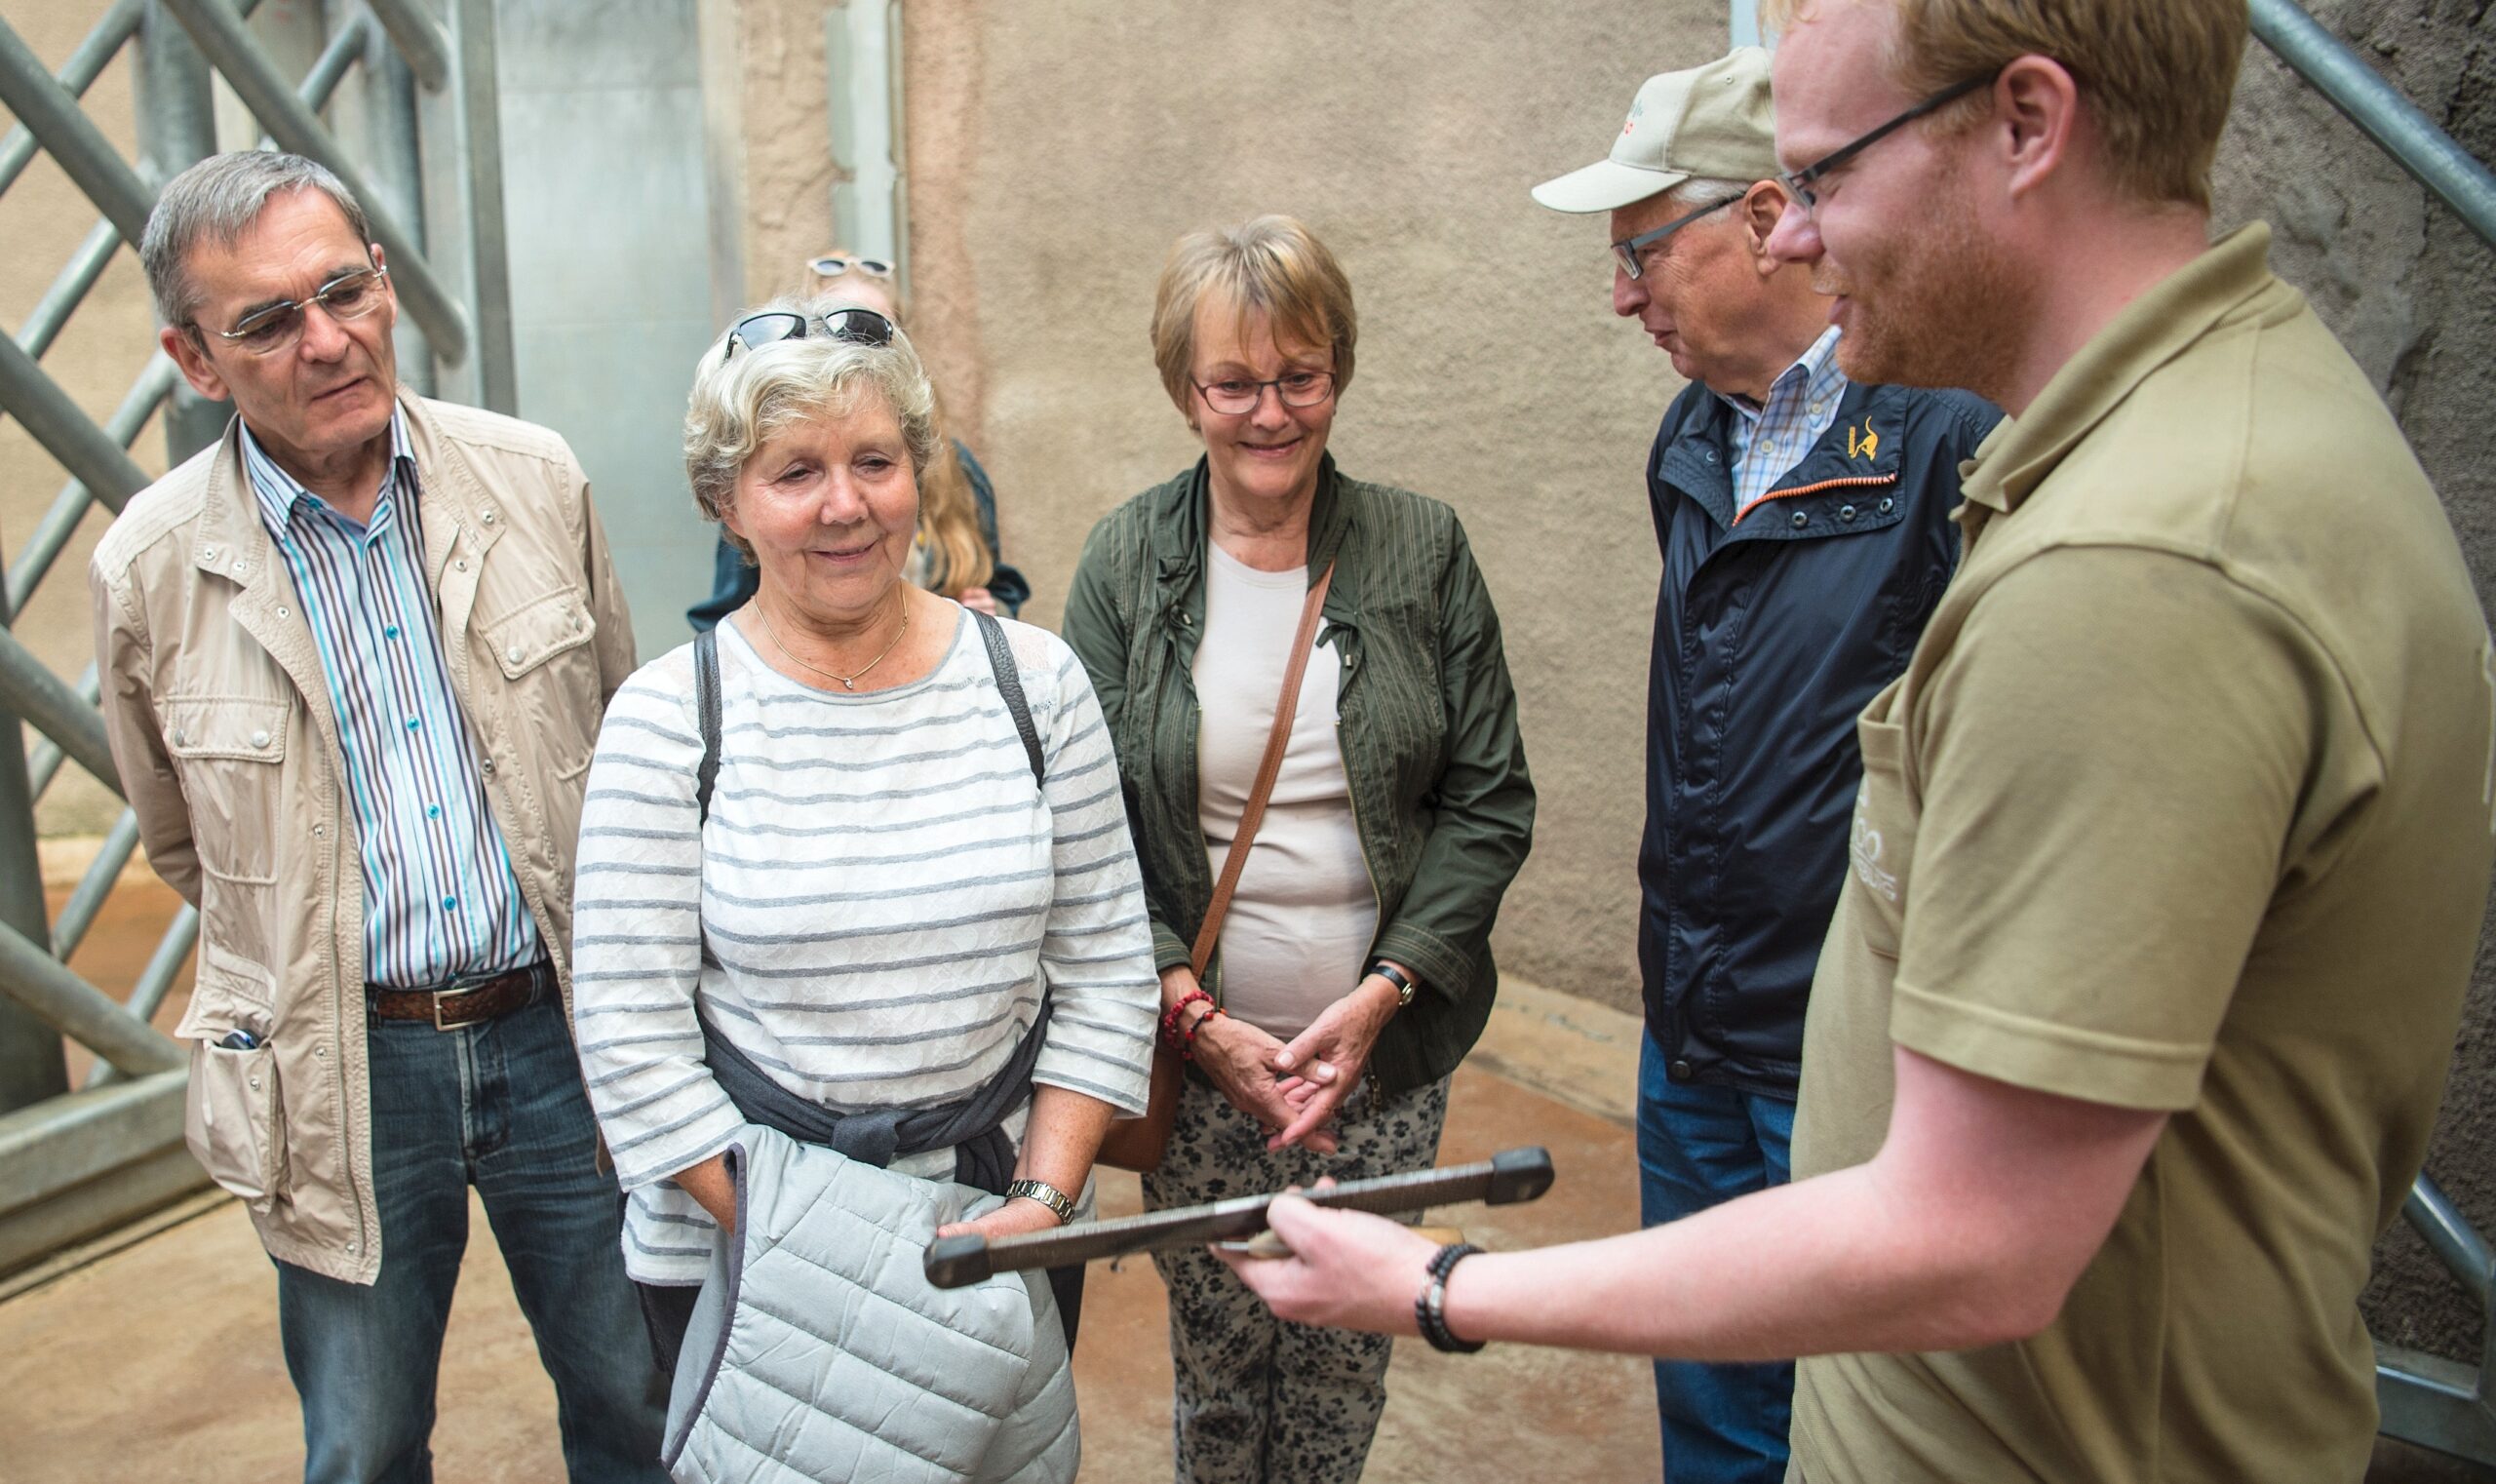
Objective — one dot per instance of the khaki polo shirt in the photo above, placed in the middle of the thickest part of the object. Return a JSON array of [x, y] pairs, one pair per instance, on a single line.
[[2182, 804]]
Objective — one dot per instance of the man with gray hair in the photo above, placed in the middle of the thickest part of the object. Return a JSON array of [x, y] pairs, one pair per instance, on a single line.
[[1805, 535], [354, 657]]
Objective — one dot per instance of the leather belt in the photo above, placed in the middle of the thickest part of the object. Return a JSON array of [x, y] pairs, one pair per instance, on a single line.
[[462, 1002]]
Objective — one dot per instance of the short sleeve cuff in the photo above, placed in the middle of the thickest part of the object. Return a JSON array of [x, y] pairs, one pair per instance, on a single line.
[[2067, 1061]]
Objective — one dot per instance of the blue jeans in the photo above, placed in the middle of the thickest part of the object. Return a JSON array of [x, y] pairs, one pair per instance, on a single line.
[[1701, 1146], [497, 1105]]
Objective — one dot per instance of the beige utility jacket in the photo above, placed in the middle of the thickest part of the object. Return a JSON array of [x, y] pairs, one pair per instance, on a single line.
[[222, 727]]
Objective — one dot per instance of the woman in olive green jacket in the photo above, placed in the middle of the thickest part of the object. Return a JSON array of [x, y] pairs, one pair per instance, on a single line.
[[1353, 969]]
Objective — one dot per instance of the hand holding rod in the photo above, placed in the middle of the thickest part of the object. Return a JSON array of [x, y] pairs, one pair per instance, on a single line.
[[1506, 1178]]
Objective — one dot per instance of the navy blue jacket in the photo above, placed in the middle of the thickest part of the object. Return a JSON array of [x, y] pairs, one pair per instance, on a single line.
[[1772, 633]]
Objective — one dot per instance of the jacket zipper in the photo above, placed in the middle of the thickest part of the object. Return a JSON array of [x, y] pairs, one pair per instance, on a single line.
[[1891, 478]]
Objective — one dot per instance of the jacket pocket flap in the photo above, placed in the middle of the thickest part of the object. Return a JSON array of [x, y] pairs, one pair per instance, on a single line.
[[231, 995], [537, 631], [247, 729]]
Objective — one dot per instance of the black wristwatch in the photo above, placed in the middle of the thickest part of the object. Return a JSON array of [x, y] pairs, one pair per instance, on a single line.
[[1405, 988]]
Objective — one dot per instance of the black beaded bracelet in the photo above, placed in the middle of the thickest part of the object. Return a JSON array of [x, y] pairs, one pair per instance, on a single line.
[[1429, 1310]]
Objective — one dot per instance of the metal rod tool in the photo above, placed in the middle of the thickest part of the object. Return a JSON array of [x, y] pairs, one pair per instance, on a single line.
[[1504, 1179]]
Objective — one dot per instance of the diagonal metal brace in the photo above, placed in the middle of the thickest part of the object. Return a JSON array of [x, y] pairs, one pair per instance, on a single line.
[[29, 689], [52, 115], [79, 1010], [69, 435]]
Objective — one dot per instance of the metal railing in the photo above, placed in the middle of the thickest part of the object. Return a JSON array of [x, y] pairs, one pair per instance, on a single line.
[[75, 1161]]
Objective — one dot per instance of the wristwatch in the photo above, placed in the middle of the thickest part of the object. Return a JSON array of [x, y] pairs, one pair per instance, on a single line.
[[1405, 988], [1047, 1194]]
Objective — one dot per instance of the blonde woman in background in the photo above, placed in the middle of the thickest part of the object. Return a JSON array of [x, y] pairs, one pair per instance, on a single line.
[[956, 552]]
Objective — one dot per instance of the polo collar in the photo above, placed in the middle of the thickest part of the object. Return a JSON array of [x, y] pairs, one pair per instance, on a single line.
[[2020, 453]]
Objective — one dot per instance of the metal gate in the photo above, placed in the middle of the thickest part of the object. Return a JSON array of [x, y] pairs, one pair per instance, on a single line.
[[75, 1161]]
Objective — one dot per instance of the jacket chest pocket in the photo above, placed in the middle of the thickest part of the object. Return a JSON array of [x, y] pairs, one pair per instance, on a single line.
[[1880, 839], [231, 755], [550, 678]]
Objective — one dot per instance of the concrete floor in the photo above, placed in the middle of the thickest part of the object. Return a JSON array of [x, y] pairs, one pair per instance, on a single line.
[[158, 1358]]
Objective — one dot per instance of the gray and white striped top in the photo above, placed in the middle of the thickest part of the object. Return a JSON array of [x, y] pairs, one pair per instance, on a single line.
[[869, 913]]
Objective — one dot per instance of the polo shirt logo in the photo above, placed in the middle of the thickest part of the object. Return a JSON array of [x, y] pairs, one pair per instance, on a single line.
[[1865, 445], [1865, 849]]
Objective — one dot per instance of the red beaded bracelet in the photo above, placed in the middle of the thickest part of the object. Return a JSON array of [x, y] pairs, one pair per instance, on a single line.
[[1170, 1017]]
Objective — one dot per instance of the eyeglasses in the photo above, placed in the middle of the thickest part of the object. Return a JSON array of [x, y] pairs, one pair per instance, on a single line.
[[1628, 248], [1236, 395], [833, 265], [272, 328], [1798, 183], [859, 327]]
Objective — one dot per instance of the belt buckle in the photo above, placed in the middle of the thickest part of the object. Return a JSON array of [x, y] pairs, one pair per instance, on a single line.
[[438, 996]]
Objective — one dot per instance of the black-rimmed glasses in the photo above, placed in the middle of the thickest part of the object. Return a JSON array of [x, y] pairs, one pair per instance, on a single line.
[[1798, 183], [1628, 248], [859, 327], [1235, 395], [272, 328]]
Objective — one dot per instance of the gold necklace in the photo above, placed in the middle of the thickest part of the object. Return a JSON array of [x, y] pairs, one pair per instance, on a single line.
[[847, 682]]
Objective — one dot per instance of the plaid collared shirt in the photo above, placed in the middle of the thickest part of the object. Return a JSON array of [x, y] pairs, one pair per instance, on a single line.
[[439, 900], [1767, 439]]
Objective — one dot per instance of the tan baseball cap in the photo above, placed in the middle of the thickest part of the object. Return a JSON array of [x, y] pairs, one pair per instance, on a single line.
[[1714, 121]]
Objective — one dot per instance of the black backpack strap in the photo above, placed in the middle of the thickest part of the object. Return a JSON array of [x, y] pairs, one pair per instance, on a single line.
[[1009, 682], [706, 700]]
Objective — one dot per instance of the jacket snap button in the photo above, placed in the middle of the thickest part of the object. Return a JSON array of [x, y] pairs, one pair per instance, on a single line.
[[462, 564], [488, 766], [1886, 503], [487, 518], [512, 654], [281, 613], [208, 554], [1801, 520], [1846, 511], [255, 1085], [181, 738], [259, 739], [1679, 1071], [319, 831]]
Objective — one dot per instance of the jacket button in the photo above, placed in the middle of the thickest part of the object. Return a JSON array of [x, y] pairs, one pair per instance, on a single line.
[[259, 739], [487, 517], [1679, 1071], [1846, 511], [319, 831], [1801, 520], [281, 613], [512, 654], [488, 766], [181, 738], [462, 564], [1886, 503]]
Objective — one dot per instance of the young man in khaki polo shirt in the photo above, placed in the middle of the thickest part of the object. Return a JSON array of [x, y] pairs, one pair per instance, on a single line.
[[2172, 842]]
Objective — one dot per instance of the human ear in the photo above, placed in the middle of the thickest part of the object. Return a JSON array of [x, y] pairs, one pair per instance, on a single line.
[[191, 359], [1762, 207], [2036, 112]]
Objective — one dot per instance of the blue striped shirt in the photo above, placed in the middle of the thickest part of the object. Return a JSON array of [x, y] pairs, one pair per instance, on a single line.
[[439, 900], [1771, 438]]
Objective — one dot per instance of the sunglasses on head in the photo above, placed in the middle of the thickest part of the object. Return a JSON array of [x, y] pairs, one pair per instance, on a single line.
[[859, 327], [833, 264]]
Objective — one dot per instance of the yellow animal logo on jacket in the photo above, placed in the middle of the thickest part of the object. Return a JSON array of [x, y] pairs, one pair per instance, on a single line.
[[1863, 445]]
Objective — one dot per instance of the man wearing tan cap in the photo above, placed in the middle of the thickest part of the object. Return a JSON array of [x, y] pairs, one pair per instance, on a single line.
[[1805, 532]]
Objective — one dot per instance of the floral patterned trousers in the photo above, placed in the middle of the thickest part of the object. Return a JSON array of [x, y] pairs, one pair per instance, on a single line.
[[1260, 1399]]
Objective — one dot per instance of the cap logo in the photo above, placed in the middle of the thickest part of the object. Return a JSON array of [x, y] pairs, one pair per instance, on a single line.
[[1637, 107]]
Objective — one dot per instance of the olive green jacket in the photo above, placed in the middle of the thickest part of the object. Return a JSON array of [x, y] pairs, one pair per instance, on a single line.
[[1428, 728]]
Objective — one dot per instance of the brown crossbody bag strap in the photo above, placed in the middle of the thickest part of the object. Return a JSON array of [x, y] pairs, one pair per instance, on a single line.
[[1137, 1143]]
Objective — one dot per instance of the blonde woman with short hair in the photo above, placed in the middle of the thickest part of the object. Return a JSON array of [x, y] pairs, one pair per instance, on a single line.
[[1352, 970]]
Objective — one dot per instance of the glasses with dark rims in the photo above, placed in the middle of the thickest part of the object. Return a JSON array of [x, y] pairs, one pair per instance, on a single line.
[[1232, 396], [859, 327], [273, 328], [1802, 184]]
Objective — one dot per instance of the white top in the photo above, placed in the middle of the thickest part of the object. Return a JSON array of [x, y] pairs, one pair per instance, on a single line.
[[1306, 913], [869, 913]]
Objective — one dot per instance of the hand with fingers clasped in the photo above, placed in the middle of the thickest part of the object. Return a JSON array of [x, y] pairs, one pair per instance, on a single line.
[[1324, 1063]]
